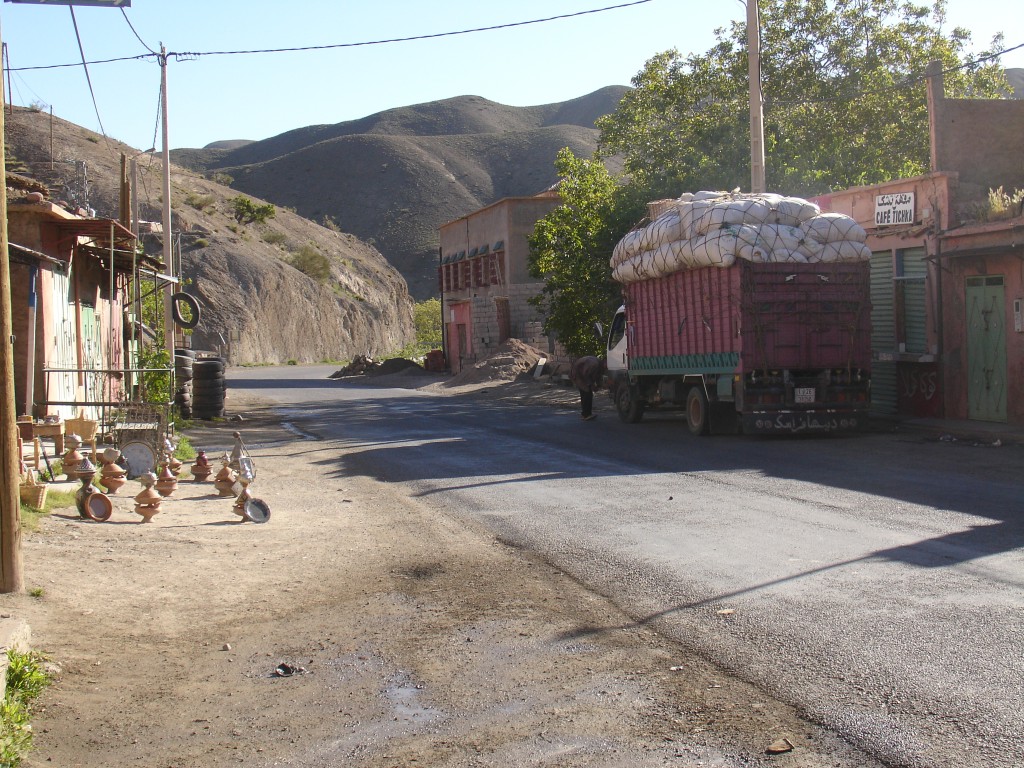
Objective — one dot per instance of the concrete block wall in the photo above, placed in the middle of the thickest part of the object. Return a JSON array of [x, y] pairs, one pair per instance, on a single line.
[[485, 325]]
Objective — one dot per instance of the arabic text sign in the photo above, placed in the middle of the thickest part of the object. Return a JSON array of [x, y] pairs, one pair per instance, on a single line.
[[894, 208]]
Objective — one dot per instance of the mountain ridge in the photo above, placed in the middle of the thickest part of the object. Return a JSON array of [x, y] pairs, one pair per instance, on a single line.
[[392, 178]]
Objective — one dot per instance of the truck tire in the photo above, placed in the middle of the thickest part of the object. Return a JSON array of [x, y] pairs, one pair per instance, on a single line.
[[629, 405], [697, 412]]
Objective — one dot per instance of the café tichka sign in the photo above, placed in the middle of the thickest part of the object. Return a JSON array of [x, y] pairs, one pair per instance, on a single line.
[[894, 208]]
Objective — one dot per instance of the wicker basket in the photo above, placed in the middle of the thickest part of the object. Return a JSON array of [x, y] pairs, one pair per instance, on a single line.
[[34, 495], [84, 428]]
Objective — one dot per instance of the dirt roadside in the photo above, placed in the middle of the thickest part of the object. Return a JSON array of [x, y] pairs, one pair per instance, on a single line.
[[414, 639]]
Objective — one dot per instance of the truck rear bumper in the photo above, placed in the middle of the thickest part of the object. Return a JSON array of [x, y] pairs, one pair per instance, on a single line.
[[793, 422]]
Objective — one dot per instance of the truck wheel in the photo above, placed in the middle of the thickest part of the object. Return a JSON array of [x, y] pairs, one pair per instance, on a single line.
[[630, 407], [697, 412]]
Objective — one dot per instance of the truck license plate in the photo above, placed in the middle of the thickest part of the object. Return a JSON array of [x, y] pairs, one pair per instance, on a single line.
[[804, 394]]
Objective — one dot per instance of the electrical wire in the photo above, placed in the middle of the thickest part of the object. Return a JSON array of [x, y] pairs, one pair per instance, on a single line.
[[132, 28], [85, 66], [386, 41], [412, 38]]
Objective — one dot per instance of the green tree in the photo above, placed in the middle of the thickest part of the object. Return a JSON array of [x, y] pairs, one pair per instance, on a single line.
[[248, 212], [426, 318], [844, 100], [571, 248]]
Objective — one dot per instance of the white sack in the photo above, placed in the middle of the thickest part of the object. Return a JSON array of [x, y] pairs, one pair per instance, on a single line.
[[845, 250], [715, 249], [832, 227]]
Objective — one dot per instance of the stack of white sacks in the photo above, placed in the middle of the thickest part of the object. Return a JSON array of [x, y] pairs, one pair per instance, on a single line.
[[715, 228]]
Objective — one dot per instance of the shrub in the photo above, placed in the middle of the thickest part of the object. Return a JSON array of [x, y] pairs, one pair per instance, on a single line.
[[222, 178], [1004, 206], [199, 202], [248, 212], [201, 242], [274, 237], [311, 263], [26, 679]]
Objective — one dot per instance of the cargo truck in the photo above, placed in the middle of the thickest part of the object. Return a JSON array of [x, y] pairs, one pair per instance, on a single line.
[[766, 347]]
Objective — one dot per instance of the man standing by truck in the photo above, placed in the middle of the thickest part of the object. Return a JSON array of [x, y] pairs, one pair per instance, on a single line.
[[586, 375]]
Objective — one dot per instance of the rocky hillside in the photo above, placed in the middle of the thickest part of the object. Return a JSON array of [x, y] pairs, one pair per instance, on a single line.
[[394, 177], [254, 301]]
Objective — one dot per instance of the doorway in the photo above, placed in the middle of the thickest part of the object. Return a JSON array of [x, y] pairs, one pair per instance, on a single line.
[[986, 348]]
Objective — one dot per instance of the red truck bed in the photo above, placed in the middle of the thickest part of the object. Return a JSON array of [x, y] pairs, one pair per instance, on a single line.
[[756, 316]]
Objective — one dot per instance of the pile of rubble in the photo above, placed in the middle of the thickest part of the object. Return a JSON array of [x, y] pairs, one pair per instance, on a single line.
[[361, 364]]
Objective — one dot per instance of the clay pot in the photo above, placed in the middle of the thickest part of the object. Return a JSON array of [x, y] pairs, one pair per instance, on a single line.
[[201, 469], [112, 475], [71, 461], [225, 481], [147, 501], [167, 483], [86, 472]]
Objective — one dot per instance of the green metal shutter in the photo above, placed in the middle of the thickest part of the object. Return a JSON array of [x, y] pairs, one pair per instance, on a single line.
[[914, 280], [883, 335]]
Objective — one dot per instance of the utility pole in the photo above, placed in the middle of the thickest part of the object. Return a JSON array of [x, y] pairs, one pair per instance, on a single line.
[[757, 180], [12, 576], [168, 252]]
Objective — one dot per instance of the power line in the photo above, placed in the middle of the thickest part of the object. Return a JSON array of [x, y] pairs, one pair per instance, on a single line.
[[85, 66], [385, 41], [132, 28], [412, 38]]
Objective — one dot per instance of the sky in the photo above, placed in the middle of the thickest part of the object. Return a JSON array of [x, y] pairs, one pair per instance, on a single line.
[[258, 95]]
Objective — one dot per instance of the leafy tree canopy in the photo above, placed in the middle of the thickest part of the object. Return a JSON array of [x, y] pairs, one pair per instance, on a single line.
[[570, 249], [844, 100]]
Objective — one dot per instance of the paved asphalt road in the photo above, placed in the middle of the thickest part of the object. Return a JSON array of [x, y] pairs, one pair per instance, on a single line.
[[875, 581]]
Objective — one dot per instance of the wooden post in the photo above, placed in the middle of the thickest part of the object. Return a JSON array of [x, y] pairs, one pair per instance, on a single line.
[[12, 578]]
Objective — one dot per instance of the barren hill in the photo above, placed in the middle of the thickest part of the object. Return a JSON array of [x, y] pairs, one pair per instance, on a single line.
[[254, 301], [392, 178]]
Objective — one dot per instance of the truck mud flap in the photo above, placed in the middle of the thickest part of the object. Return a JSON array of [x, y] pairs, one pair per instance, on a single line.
[[796, 422]]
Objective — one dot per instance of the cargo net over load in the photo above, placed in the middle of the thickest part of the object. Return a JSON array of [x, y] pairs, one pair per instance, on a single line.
[[713, 229]]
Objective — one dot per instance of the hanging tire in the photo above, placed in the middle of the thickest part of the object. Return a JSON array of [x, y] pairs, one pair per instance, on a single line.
[[697, 412], [192, 320]]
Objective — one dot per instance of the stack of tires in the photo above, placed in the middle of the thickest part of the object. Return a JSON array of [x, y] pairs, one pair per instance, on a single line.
[[208, 388], [183, 359]]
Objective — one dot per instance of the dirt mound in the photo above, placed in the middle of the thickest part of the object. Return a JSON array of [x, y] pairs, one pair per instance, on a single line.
[[396, 365], [512, 359]]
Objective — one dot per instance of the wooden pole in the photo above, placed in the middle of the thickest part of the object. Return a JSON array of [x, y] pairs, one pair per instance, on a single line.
[[12, 577]]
